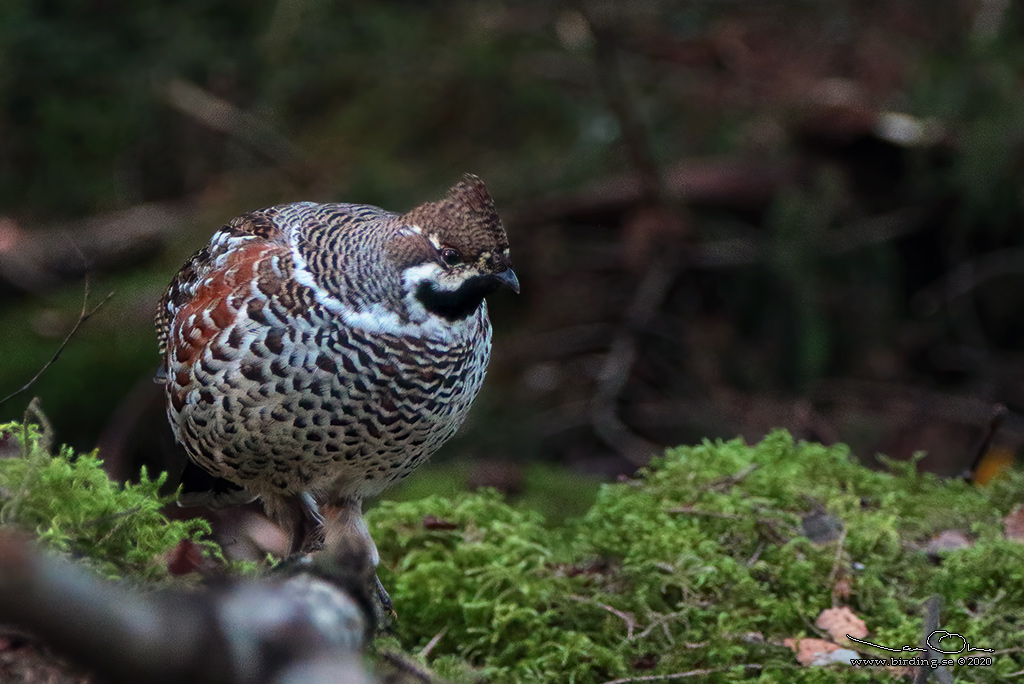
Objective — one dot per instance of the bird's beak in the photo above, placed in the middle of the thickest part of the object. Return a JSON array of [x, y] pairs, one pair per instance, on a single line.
[[507, 278]]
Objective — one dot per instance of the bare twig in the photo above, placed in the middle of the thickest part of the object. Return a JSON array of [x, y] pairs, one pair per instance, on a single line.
[[626, 617], [620, 194], [708, 514], [688, 675], [119, 520], [724, 483], [931, 623], [869, 232], [757, 554], [662, 620], [812, 627], [120, 515], [834, 572], [425, 651], [411, 670], [85, 314]]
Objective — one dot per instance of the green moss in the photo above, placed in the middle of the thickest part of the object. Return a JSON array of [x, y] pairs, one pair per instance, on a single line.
[[70, 503], [701, 564]]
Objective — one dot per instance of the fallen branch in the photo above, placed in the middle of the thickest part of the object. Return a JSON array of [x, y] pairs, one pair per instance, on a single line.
[[220, 115], [40, 258], [306, 623], [618, 365]]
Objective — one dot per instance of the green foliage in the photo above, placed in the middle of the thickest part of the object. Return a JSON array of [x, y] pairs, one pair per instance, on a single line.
[[701, 564], [71, 504]]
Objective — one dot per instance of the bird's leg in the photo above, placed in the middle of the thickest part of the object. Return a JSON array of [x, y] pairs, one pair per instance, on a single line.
[[307, 525], [346, 517], [313, 524], [300, 517]]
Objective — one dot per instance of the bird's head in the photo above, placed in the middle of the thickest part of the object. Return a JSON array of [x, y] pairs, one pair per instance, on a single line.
[[454, 252]]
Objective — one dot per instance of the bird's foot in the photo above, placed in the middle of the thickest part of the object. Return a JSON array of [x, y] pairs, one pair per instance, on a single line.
[[345, 528], [383, 608]]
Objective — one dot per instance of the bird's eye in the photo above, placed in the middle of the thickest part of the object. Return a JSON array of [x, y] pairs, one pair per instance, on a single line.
[[451, 257]]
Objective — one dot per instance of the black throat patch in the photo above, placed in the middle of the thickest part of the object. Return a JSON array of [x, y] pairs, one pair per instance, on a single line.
[[456, 304]]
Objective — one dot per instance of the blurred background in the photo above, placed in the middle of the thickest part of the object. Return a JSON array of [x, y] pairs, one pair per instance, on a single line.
[[726, 216]]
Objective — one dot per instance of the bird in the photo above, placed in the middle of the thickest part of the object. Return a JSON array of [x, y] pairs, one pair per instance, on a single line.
[[315, 354]]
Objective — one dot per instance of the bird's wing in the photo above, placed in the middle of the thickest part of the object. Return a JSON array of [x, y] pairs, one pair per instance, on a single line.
[[254, 234]]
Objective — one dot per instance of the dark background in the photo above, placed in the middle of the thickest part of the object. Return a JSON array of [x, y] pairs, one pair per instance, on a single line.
[[726, 216]]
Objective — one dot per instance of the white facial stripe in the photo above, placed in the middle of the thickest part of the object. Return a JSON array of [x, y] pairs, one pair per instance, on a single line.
[[442, 279], [378, 319], [414, 275]]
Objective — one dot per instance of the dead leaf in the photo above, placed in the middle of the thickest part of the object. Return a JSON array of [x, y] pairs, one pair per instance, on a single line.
[[810, 651], [647, 661], [842, 589], [997, 460], [821, 527], [184, 558], [432, 522], [1013, 524], [840, 622], [949, 540]]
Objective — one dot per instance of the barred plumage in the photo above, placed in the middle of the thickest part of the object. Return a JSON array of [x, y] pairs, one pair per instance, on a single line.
[[329, 349]]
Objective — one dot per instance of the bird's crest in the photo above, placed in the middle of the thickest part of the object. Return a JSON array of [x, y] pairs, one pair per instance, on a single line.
[[465, 220]]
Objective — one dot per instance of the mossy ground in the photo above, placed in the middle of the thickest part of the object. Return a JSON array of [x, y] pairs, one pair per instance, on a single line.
[[67, 500], [701, 564]]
